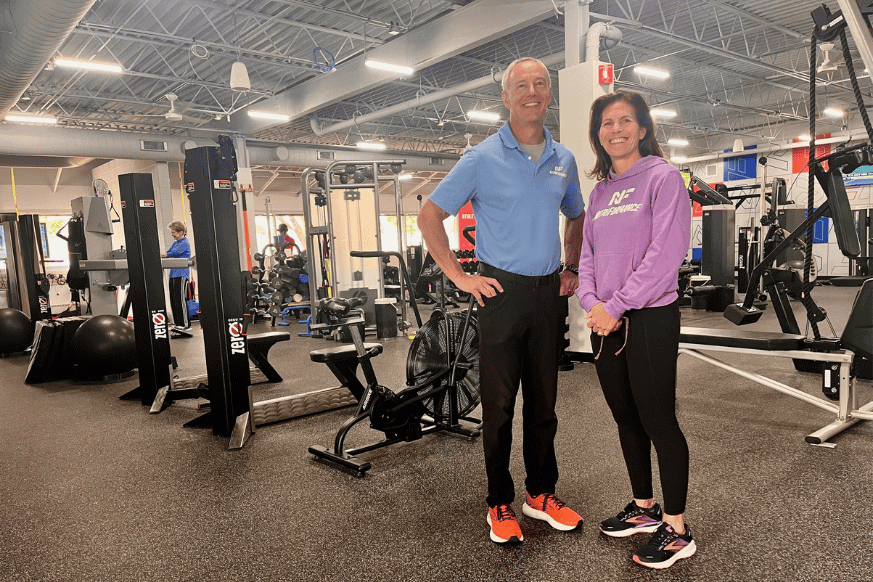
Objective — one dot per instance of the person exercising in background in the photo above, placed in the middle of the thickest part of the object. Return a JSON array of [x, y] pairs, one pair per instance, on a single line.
[[283, 239], [519, 181], [180, 248]]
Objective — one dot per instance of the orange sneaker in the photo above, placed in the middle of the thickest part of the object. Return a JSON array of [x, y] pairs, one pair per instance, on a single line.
[[547, 507], [504, 526]]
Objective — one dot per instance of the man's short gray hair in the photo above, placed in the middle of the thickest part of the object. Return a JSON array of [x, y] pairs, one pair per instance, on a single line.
[[504, 82]]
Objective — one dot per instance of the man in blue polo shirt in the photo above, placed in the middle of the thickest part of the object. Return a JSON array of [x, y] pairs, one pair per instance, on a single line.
[[518, 181]]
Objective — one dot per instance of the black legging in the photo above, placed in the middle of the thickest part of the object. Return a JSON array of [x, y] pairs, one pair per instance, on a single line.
[[178, 301], [640, 388]]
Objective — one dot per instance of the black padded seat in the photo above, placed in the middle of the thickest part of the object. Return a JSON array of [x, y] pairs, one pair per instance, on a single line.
[[344, 352], [735, 338], [268, 338], [259, 345]]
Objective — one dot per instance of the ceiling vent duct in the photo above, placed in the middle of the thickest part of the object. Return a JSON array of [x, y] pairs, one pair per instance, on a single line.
[[152, 146], [33, 32]]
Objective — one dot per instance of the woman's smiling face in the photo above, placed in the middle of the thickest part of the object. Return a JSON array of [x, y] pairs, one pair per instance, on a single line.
[[620, 133]]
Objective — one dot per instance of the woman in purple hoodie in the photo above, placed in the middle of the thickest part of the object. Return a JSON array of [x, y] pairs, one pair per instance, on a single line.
[[636, 236]]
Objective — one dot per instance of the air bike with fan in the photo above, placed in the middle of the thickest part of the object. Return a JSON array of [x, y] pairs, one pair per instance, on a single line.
[[442, 380]]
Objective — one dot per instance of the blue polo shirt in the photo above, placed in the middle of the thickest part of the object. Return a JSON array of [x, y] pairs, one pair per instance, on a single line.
[[180, 249], [516, 202]]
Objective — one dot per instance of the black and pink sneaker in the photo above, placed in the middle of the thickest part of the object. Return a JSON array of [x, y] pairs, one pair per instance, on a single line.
[[632, 520], [665, 548]]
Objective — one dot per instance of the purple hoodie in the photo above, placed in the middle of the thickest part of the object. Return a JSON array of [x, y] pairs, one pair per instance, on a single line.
[[637, 232]]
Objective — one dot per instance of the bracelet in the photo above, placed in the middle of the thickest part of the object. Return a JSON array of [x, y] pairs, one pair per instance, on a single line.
[[572, 268]]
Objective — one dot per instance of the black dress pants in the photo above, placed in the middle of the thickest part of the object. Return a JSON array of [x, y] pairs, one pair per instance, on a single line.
[[519, 342]]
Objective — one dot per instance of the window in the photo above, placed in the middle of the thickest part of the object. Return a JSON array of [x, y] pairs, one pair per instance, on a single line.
[[296, 230]]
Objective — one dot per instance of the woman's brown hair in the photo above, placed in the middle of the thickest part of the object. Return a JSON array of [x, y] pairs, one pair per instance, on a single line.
[[648, 145]]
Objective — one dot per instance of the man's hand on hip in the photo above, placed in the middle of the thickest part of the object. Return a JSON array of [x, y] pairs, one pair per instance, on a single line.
[[479, 286]]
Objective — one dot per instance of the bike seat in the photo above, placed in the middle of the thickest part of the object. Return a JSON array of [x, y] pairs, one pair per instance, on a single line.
[[344, 352]]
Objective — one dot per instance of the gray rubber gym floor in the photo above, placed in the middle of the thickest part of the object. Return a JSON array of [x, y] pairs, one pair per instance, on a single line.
[[96, 489]]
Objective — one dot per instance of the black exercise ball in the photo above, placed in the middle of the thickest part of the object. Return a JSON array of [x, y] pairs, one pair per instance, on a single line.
[[105, 345], [16, 331]]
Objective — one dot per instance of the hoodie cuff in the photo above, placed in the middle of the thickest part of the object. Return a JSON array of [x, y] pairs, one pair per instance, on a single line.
[[612, 309], [588, 301]]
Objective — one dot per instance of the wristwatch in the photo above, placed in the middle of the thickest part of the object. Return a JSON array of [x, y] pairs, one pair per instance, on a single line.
[[572, 268]]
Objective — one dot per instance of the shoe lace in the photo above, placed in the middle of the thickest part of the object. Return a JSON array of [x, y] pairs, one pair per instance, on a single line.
[[552, 499], [629, 511], [504, 512], [663, 536]]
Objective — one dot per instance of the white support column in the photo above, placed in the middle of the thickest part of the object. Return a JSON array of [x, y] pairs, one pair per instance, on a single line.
[[245, 213], [575, 30], [579, 87], [164, 198]]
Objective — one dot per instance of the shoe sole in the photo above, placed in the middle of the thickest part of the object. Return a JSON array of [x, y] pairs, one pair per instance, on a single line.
[[630, 531], [685, 552], [498, 540], [543, 516]]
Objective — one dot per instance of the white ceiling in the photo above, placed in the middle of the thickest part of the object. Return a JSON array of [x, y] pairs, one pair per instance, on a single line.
[[739, 67]]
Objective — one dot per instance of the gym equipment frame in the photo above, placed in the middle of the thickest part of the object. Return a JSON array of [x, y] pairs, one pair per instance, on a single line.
[[793, 345], [442, 384], [321, 223]]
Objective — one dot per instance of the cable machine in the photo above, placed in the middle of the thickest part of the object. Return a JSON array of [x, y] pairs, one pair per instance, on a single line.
[[336, 224]]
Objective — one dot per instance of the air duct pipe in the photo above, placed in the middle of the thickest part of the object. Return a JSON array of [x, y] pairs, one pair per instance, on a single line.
[[31, 33], [24, 141], [600, 35]]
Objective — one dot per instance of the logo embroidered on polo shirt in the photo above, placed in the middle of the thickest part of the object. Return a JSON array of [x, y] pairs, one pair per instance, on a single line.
[[558, 171]]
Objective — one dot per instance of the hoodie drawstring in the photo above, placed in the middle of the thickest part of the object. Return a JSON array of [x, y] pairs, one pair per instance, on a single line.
[[621, 349]]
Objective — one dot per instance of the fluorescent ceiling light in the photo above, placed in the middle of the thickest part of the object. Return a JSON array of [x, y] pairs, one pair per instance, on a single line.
[[662, 113], [833, 112], [651, 72], [803, 137], [677, 142], [89, 65], [389, 67], [23, 118], [404, 177], [483, 115], [678, 159], [370, 145], [268, 115]]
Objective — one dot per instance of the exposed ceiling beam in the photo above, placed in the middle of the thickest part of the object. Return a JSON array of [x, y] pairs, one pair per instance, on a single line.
[[469, 27], [150, 37], [225, 9]]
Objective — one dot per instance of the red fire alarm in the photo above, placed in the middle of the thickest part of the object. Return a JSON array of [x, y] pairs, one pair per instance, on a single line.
[[604, 74]]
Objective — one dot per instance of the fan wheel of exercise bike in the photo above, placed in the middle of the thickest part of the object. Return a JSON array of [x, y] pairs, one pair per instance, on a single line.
[[427, 357]]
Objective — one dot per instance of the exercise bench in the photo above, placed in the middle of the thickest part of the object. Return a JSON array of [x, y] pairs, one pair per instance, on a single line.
[[694, 340], [259, 345]]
